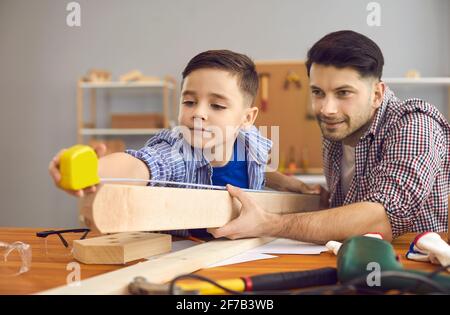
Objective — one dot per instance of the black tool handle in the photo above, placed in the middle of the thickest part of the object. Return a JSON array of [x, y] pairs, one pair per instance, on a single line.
[[293, 279]]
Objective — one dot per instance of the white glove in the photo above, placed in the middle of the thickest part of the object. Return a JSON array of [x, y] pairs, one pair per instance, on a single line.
[[429, 247], [335, 246]]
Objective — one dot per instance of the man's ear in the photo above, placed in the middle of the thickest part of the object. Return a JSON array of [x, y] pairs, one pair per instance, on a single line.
[[250, 117], [378, 91]]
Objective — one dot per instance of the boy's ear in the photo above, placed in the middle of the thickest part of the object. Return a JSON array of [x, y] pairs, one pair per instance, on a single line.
[[250, 117]]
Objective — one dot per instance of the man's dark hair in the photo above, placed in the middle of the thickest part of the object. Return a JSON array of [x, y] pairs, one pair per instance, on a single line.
[[236, 64], [347, 49]]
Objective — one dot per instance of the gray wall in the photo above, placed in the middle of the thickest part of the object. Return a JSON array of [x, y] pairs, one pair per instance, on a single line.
[[41, 58]]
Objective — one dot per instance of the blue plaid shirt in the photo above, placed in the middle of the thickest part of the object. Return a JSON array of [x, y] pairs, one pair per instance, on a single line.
[[170, 157]]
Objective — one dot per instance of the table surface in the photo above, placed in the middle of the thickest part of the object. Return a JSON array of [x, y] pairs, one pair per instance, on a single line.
[[48, 273]]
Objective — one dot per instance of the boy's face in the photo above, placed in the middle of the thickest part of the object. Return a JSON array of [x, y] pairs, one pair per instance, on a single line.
[[213, 108], [344, 103]]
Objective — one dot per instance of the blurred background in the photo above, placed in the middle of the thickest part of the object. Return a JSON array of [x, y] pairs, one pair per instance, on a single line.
[[125, 58]]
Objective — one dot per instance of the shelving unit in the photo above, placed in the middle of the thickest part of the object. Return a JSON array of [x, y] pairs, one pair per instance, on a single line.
[[167, 86], [430, 80], [444, 81]]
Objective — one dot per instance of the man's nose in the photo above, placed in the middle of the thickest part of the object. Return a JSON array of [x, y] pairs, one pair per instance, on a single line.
[[329, 106]]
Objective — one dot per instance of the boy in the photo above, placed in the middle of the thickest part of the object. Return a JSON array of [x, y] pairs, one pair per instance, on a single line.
[[215, 143]]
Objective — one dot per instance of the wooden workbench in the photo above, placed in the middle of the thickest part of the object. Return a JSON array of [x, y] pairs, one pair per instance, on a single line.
[[46, 274]]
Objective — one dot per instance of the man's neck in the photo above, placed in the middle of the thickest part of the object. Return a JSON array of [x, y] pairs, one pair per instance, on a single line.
[[353, 139]]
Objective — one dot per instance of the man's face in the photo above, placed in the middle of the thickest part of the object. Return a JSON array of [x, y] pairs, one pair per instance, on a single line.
[[343, 102], [212, 107]]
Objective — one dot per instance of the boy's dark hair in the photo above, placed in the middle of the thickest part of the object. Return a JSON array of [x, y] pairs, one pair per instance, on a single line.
[[235, 63], [347, 49]]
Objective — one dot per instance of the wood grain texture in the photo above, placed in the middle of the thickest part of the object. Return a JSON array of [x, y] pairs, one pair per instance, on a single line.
[[46, 274], [162, 269], [127, 208], [121, 248], [290, 109]]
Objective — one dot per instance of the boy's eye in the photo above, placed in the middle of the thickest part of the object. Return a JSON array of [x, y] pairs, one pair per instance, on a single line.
[[188, 103], [217, 106]]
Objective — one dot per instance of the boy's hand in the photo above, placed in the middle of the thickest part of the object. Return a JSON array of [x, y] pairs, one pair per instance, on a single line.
[[281, 182], [300, 187], [53, 169]]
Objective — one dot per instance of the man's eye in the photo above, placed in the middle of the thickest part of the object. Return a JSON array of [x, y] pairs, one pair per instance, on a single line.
[[217, 106], [343, 93], [317, 93], [188, 103]]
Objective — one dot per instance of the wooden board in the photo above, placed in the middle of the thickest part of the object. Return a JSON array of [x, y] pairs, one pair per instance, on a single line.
[[162, 269], [121, 248], [127, 208]]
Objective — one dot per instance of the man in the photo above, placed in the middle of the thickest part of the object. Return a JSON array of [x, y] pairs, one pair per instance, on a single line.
[[386, 161]]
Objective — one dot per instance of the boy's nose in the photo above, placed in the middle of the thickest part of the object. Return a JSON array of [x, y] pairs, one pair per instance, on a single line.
[[200, 112]]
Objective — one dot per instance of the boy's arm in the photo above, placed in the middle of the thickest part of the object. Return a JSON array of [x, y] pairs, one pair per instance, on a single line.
[[281, 182], [123, 165], [115, 165]]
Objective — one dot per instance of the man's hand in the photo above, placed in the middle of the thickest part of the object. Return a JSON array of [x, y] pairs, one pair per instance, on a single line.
[[253, 221], [53, 169]]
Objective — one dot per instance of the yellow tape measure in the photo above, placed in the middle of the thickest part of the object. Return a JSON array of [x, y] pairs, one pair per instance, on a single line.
[[78, 167]]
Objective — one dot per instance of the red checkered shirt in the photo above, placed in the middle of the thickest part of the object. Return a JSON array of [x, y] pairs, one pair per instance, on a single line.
[[401, 162]]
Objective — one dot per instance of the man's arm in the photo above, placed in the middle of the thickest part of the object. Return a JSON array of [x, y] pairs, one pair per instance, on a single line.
[[318, 226], [334, 224]]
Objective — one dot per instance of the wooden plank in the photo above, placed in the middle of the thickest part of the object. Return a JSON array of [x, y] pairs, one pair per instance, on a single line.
[[127, 208], [162, 269], [121, 248]]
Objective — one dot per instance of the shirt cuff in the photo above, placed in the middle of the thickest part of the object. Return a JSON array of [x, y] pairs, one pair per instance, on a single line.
[[400, 220], [150, 161]]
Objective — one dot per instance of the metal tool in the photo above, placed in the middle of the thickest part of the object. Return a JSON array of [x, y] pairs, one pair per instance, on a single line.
[[257, 283], [79, 170]]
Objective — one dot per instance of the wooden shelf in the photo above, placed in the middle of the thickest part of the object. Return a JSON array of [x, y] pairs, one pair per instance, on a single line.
[[442, 81], [430, 80], [122, 132], [88, 128], [137, 84]]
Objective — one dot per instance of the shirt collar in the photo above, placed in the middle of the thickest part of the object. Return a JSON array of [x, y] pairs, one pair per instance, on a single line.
[[379, 115], [256, 146]]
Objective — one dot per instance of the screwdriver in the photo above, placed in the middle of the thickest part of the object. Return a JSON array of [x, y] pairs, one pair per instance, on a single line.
[[264, 282]]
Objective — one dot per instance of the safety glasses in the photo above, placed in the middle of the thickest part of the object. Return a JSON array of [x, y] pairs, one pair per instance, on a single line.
[[59, 244], [15, 258]]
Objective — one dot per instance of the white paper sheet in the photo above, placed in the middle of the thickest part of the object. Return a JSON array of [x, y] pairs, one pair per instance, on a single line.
[[245, 257], [287, 246], [278, 246]]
